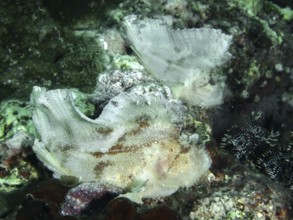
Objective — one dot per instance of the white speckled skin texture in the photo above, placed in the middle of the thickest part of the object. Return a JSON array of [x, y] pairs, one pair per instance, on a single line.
[[133, 145]]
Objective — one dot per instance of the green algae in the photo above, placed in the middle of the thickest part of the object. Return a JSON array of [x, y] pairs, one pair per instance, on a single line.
[[256, 9], [18, 176], [81, 102], [126, 62], [15, 116], [253, 73]]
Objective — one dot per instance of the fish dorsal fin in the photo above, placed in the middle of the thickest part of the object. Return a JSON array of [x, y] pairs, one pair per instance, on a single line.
[[174, 55]]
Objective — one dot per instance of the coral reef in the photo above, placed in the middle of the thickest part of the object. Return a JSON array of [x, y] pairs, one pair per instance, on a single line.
[[43, 199], [15, 116], [238, 193], [111, 84], [53, 44], [20, 173], [36, 49], [16, 139]]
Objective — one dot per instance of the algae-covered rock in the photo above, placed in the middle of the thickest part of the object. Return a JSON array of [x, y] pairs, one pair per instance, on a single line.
[[37, 50], [15, 116], [18, 176]]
